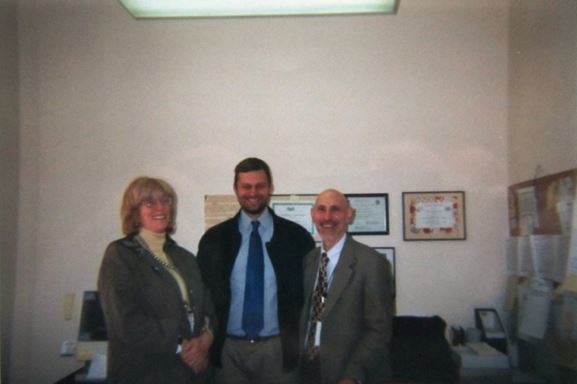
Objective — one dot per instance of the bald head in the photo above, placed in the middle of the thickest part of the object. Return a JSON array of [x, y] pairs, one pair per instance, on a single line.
[[333, 195], [331, 214]]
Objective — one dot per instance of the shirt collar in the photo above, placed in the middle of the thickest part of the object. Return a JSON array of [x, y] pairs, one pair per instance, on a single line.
[[265, 220], [336, 250]]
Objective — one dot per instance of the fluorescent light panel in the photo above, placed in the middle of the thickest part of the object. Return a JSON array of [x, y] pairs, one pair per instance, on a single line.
[[228, 8]]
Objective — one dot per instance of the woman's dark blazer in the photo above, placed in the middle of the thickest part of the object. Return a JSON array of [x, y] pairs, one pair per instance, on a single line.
[[145, 314]]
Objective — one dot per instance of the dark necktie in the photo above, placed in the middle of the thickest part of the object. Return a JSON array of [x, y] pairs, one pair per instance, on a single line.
[[252, 316], [319, 297]]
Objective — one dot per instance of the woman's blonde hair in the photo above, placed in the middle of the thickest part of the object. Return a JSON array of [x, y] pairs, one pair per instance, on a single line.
[[139, 190]]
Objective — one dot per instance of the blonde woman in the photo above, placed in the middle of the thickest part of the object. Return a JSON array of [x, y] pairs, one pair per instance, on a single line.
[[157, 310]]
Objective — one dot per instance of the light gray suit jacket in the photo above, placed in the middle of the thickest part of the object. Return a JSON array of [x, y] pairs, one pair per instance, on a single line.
[[357, 319]]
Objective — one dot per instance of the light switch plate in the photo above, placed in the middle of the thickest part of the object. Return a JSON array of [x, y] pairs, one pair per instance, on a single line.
[[68, 306]]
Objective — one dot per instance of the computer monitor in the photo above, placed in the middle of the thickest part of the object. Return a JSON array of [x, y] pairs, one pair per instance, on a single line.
[[92, 335]]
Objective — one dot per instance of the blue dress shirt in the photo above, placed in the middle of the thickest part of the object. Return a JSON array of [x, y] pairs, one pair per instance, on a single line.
[[238, 278]]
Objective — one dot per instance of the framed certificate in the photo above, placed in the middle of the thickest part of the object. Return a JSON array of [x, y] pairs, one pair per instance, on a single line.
[[434, 215], [389, 254], [297, 211], [371, 213]]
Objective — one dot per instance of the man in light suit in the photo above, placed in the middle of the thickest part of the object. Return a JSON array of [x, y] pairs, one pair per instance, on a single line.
[[347, 317]]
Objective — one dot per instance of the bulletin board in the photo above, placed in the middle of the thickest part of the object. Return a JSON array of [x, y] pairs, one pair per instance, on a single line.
[[542, 206]]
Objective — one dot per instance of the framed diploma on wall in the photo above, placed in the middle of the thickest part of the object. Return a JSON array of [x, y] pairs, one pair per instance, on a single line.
[[434, 215], [371, 213]]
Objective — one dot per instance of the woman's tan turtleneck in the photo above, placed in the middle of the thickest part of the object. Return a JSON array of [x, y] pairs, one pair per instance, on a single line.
[[155, 242]]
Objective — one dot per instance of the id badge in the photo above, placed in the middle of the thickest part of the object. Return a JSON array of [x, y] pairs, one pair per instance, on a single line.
[[191, 321]]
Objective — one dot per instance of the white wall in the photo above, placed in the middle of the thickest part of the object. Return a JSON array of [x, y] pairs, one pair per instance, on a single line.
[[416, 101], [8, 173], [543, 88]]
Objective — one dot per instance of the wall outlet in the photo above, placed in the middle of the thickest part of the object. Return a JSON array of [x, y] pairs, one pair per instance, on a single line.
[[67, 348]]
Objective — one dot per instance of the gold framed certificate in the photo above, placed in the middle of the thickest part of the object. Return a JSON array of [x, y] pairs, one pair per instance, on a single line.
[[434, 215]]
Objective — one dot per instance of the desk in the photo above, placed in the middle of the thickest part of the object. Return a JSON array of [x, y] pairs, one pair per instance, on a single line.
[[79, 377], [486, 376]]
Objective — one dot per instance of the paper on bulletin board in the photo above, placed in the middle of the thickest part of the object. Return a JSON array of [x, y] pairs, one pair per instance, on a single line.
[[528, 212], [549, 254], [524, 259], [534, 308], [563, 203]]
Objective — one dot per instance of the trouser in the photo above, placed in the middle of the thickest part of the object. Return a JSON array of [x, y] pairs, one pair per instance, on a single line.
[[258, 362]]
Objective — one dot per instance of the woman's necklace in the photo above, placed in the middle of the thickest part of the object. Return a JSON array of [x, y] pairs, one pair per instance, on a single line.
[[165, 264]]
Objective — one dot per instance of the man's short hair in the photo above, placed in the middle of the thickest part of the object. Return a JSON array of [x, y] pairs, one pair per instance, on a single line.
[[251, 164]]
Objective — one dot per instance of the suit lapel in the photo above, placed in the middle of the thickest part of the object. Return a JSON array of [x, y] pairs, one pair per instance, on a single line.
[[341, 276]]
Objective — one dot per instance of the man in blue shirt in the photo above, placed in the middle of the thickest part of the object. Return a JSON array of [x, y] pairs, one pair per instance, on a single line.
[[252, 264]]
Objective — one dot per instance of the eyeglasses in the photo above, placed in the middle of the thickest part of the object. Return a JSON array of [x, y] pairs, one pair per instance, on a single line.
[[151, 202]]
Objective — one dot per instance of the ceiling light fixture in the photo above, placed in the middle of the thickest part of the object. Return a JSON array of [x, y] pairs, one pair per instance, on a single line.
[[233, 8]]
